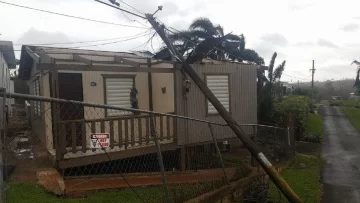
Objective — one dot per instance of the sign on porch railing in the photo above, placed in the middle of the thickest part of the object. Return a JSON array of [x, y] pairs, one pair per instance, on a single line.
[[99, 140]]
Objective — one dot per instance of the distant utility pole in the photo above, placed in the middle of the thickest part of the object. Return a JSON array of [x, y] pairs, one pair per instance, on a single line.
[[298, 84], [312, 83]]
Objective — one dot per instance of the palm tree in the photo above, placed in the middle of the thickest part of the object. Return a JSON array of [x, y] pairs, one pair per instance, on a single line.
[[271, 89], [206, 39], [357, 79], [275, 75]]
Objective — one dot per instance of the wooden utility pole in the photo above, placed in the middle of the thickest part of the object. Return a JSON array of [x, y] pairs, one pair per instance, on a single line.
[[312, 83], [249, 144]]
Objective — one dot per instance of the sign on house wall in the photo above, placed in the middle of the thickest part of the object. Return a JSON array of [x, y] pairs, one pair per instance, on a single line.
[[99, 140]]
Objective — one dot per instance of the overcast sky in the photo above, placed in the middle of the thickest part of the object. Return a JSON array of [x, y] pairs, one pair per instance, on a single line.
[[300, 31]]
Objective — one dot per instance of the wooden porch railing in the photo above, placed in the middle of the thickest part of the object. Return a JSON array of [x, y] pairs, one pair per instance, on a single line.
[[125, 132]]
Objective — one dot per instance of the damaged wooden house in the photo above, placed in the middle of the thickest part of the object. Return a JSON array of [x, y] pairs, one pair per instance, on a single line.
[[128, 80]]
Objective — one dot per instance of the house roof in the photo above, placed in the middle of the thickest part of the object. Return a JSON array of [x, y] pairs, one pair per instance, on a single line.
[[67, 56], [212, 61], [91, 60], [6, 47]]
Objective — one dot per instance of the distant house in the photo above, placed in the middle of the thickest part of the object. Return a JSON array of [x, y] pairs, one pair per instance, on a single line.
[[353, 96], [107, 78], [287, 88], [337, 97]]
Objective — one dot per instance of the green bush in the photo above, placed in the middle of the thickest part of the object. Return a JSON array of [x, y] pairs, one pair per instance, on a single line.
[[297, 106], [314, 129]]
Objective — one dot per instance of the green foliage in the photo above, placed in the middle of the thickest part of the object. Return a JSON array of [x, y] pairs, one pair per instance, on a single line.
[[314, 129], [304, 181], [265, 103], [202, 36], [34, 193], [297, 106], [302, 92]]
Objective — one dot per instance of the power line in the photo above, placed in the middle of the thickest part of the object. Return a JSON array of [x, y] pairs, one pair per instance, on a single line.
[[71, 16], [295, 77], [167, 28], [135, 37], [120, 9], [80, 42], [133, 8], [111, 42]]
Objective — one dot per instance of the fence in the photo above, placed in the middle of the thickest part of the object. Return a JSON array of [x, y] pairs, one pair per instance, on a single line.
[[134, 152]]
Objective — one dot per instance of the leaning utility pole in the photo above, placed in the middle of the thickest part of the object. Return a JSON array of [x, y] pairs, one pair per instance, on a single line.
[[312, 84], [249, 144]]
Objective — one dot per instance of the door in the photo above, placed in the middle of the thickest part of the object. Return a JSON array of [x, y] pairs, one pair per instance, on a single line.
[[71, 88]]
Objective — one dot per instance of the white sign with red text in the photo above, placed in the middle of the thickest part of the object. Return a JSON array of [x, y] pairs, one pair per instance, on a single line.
[[99, 140]]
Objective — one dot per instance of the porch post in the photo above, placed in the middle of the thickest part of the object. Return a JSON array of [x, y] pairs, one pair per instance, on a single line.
[[56, 114]]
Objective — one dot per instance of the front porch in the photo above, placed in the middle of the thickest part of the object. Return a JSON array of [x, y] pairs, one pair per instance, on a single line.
[[129, 136]]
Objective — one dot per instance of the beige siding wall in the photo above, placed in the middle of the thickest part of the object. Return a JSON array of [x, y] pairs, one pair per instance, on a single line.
[[163, 102], [39, 126], [46, 108], [243, 102], [95, 94]]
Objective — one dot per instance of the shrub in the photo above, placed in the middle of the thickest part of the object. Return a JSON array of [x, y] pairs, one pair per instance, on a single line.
[[297, 106]]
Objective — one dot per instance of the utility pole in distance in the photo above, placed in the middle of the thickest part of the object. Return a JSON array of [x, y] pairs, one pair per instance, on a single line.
[[249, 144], [312, 84]]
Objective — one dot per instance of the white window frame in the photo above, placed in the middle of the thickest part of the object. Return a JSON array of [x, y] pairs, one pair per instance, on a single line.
[[210, 109], [110, 112]]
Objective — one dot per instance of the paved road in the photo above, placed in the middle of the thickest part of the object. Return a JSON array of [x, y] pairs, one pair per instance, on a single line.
[[341, 149]]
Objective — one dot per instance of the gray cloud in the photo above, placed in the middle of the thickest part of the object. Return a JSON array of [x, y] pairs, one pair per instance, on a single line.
[[326, 43], [304, 44], [296, 7], [34, 36], [351, 27], [266, 50], [332, 71], [275, 39]]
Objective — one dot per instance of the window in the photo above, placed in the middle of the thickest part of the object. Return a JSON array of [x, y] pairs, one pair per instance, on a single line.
[[117, 92], [219, 86], [36, 89]]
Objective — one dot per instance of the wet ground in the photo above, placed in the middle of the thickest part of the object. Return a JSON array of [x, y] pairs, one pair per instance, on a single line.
[[341, 149], [19, 153]]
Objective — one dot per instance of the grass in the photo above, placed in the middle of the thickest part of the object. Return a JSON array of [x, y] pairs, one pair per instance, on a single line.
[[354, 115], [304, 181], [314, 128], [33, 193], [346, 103]]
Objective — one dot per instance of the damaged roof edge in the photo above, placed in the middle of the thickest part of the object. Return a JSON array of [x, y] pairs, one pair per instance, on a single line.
[[26, 63], [7, 48]]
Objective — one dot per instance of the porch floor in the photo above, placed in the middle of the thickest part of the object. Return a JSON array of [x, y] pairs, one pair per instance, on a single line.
[[91, 152]]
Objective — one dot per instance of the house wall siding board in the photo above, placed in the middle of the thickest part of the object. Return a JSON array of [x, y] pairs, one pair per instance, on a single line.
[[180, 107], [163, 102], [243, 102], [38, 122], [46, 108]]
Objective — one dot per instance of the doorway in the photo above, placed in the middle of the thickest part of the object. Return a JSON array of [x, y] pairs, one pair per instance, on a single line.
[[71, 88]]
